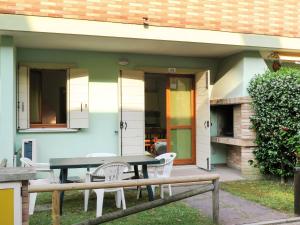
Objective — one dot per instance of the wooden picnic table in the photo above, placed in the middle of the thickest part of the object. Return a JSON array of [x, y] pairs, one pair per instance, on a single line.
[[87, 162]]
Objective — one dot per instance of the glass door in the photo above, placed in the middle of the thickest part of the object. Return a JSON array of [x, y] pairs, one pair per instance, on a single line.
[[181, 118]]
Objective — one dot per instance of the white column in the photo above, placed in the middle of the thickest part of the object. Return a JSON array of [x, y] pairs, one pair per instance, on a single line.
[[7, 98]]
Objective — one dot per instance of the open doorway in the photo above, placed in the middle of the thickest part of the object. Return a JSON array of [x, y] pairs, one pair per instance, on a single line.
[[170, 116], [155, 113], [183, 121]]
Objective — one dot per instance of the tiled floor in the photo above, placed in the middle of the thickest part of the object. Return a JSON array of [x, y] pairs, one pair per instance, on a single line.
[[226, 173]]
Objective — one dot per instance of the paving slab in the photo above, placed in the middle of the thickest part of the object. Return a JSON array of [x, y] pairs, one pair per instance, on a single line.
[[233, 210], [226, 173]]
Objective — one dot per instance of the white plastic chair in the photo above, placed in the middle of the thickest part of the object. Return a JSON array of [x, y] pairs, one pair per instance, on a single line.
[[111, 172], [3, 163], [39, 167], [89, 172], [161, 171]]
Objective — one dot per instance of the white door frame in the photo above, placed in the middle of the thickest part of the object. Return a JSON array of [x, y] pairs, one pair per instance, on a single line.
[[162, 71]]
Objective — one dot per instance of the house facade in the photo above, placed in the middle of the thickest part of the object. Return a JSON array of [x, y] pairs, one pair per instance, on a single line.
[[104, 76]]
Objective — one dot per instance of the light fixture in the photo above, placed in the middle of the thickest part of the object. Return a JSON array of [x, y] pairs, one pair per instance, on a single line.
[[123, 61]]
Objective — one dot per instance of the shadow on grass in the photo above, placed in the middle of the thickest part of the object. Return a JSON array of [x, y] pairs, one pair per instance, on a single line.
[[174, 213]]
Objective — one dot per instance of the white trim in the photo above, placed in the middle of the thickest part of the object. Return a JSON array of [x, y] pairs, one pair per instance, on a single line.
[[33, 141], [51, 66], [48, 130], [108, 29], [17, 200]]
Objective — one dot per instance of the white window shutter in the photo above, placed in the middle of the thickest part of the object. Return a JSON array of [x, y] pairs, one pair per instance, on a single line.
[[78, 98], [203, 150], [23, 98], [133, 112]]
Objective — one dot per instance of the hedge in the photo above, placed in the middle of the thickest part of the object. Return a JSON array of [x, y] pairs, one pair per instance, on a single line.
[[276, 120]]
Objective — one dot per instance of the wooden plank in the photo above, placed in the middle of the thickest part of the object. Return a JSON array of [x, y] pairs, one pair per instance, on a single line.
[[17, 174], [147, 205], [55, 208], [215, 201], [297, 191], [123, 183]]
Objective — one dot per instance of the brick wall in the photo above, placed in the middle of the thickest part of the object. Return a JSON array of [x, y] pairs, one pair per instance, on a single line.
[[237, 121], [234, 157], [246, 113], [272, 17], [248, 171]]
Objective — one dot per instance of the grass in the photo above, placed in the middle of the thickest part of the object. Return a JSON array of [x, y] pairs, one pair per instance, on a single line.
[[265, 192], [174, 213]]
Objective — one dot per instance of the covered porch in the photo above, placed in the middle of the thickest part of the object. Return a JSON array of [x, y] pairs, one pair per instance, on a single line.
[[104, 55]]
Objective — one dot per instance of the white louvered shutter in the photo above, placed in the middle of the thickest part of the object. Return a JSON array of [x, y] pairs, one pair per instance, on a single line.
[[133, 112], [23, 98], [78, 98], [203, 148]]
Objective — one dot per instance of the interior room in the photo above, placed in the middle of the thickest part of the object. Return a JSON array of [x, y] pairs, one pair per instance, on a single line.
[[47, 98], [155, 113]]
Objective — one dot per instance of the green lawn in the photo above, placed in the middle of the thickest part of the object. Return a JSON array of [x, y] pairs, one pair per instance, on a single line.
[[175, 213], [268, 193]]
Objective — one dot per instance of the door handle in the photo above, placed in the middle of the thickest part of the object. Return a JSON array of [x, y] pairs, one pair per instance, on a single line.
[[125, 125], [206, 124]]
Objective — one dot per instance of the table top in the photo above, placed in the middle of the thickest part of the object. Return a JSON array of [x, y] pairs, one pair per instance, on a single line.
[[86, 162], [8, 174]]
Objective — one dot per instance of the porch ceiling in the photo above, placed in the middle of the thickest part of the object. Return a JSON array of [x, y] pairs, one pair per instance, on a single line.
[[121, 45]]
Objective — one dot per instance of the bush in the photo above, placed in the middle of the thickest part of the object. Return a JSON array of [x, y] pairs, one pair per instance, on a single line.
[[276, 120]]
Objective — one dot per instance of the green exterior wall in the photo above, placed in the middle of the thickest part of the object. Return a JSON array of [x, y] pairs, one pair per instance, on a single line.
[[234, 74], [7, 99], [218, 151], [229, 79], [103, 91], [253, 64]]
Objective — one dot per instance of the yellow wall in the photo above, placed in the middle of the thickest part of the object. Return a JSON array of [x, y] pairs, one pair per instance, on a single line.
[[7, 206]]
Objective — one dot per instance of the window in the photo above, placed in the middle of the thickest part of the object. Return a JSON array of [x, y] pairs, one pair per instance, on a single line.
[[52, 98], [47, 97]]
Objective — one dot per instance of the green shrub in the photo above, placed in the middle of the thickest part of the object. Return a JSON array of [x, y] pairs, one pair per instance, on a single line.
[[276, 120]]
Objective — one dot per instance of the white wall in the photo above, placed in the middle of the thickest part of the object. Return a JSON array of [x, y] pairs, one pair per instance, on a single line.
[[234, 74]]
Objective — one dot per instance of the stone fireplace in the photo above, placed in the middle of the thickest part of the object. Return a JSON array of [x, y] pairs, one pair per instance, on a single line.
[[233, 131]]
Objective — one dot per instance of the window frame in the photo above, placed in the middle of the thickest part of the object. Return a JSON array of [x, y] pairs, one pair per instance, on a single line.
[[55, 128], [46, 125]]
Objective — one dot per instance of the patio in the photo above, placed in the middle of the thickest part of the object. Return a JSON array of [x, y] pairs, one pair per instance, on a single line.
[[226, 173]]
